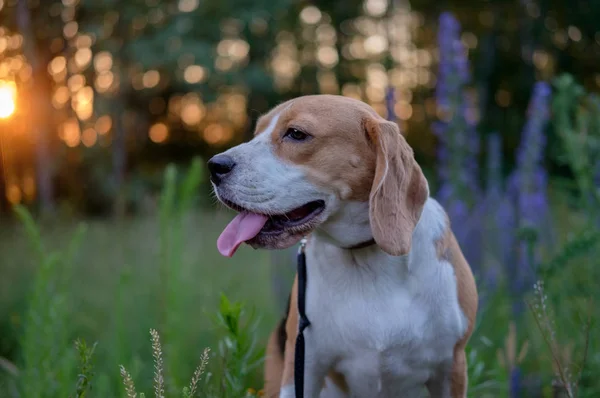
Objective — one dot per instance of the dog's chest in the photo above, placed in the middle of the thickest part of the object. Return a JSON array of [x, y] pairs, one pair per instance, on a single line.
[[381, 330]]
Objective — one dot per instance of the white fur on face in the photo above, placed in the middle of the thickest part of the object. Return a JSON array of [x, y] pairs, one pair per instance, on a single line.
[[265, 183]]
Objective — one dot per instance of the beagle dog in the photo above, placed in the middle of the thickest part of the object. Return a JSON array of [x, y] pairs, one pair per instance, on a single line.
[[390, 297]]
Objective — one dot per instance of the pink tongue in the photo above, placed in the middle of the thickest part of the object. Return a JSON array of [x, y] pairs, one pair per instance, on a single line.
[[243, 227]]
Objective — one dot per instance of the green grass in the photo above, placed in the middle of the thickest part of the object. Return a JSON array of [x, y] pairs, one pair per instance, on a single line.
[[78, 302], [117, 280]]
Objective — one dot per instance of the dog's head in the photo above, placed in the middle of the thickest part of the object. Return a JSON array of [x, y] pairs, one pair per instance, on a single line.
[[323, 163]]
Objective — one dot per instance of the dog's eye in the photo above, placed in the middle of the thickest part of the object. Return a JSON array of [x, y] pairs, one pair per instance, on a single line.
[[295, 134]]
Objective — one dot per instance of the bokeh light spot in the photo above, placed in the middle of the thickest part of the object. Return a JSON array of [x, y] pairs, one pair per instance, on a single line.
[[104, 81], [8, 94], [13, 194], [188, 5], [151, 78], [194, 74], [89, 137], [57, 65], [83, 57], [70, 29], [310, 15], [103, 61], [60, 97], [103, 124], [159, 133], [217, 134], [70, 133]]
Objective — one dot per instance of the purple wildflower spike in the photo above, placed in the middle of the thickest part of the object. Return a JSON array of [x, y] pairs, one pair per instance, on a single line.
[[390, 102], [499, 215], [528, 188], [458, 139]]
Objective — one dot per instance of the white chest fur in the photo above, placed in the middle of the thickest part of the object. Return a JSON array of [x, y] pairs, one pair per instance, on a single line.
[[386, 323]]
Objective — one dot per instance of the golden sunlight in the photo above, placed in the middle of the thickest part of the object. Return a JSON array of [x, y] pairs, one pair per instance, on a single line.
[[8, 94]]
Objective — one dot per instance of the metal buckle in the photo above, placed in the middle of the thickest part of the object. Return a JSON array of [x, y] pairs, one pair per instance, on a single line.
[[302, 245]]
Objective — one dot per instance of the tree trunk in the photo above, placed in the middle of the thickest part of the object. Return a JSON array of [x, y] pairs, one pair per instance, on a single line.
[[39, 109], [3, 201], [119, 158]]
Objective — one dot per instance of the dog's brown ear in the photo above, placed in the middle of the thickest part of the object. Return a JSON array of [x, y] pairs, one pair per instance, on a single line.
[[399, 189]]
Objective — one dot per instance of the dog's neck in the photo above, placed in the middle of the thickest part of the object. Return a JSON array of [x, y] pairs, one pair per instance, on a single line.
[[349, 227]]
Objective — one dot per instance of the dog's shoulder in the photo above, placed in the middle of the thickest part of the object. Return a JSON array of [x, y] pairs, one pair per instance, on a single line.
[[448, 251], [436, 236]]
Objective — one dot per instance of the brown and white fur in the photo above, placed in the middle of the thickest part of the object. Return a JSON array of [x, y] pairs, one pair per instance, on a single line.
[[389, 319]]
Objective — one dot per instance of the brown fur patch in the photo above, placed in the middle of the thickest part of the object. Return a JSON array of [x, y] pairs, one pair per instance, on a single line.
[[273, 367], [448, 249], [399, 189], [339, 380], [275, 353], [459, 378], [291, 328], [338, 155]]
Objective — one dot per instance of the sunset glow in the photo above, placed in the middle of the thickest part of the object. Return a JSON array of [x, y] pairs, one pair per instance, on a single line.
[[7, 99]]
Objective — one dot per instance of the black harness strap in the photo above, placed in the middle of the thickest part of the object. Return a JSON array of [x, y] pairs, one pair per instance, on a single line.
[[303, 321]]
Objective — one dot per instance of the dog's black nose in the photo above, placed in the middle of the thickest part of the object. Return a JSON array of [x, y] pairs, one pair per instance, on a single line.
[[219, 166]]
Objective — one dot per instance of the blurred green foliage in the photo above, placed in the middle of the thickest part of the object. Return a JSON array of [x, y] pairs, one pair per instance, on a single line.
[[235, 43], [114, 302]]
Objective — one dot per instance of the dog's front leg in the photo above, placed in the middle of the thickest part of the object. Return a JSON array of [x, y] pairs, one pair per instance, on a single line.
[[439, 384], [451, 380]]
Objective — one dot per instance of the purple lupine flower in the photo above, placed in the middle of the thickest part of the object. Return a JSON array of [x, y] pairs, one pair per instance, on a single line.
[[533, 141], [458, 139], [499, 215], [528, 188], [390, 102], [596, 182], [453, 70], [529, 181], [456, 129], [500, 219], [515, 382], [506, 222], [494, 165]]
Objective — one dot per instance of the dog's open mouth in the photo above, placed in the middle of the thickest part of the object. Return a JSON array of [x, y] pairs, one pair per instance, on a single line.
[[247, 225]]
